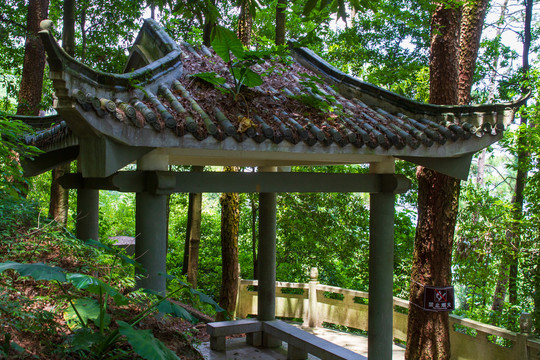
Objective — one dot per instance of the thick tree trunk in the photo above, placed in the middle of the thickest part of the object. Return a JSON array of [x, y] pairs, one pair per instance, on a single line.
[[281, 20], [472, 22], [59, 199], [58, 204], [428, 334], [245, 23], [68, 31], [230, 217], [34, 60]]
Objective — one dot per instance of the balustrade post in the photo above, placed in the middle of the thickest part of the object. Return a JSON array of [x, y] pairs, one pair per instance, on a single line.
[[313, 314], [525, 327]]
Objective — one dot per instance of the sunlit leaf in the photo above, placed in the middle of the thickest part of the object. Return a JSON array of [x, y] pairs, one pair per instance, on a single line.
[[226, 42]]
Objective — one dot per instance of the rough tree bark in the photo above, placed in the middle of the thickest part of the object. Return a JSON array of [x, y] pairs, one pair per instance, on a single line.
[[451, 77], [59, 197], [230, 217], [281, 20], [472, 21], [428, 334], [245, 22], [34, 60]]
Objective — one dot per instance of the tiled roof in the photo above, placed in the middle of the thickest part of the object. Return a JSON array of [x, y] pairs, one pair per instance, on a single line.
[[159, 102]]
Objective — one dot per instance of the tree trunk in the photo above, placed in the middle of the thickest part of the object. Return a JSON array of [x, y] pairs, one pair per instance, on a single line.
[[472, 22], [83, 34], [281, 20], [194, 239], [59, 199], [58, 204], [428, 335], [230, 217], [245, 22], [254, 213], [193, 233], [34, 60], [523, 161], [209, 25], [68, 31]]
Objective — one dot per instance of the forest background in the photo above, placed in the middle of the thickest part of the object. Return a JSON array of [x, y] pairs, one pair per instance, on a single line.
[[496, 254]]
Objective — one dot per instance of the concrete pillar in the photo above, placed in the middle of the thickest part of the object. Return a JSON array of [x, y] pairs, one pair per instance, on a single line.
[[267, 261], [151, 229], [381, 260], [87, 220]]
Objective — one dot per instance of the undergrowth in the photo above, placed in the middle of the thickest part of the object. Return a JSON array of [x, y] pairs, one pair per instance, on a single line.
[[61, 298]]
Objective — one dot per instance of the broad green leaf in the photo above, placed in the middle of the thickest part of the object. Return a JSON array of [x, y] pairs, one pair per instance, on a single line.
[[168, 307], [211, 77], [88, 309], [145, 344], [226, 42], [207, 299], [38, 271], [96, 286], [247, 77]]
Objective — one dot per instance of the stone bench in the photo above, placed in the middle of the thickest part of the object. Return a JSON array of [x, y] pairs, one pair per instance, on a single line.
[[219, 330], [299, 342]]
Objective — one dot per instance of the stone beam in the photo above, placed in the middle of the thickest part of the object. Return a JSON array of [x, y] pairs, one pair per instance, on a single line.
[[163, 182]]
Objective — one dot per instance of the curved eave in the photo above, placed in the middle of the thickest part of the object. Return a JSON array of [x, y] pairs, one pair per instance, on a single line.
[[373, 95], [60, 62], [36, 122]]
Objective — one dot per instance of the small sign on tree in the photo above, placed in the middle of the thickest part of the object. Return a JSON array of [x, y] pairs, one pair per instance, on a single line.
[[438, 298]]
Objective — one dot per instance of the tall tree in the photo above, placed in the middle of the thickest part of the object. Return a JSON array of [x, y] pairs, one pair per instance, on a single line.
[[245, 21], [230, 218], [193, 235], [450, 83], [281, 20], [58, 204], [523, 163], [34, 60]]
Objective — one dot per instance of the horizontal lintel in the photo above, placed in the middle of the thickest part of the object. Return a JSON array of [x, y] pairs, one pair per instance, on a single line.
[[164, 182]]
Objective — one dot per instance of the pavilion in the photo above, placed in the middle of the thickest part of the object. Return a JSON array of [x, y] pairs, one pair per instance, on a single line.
[[155, 115]]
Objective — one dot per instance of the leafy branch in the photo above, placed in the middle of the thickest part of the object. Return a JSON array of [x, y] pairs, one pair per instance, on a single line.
[[238, 60]]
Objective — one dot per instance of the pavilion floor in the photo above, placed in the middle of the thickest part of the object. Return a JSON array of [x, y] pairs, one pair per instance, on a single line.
[[237, 348]]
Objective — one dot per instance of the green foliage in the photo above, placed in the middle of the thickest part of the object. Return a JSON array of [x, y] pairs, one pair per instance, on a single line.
[[12, 148], [388, 48], [238, 60], [316, 98]]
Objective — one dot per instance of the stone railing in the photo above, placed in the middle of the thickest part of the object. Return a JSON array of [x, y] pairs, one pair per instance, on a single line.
[[316, 304]]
